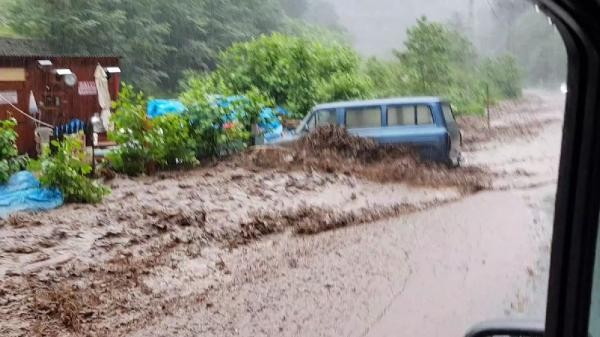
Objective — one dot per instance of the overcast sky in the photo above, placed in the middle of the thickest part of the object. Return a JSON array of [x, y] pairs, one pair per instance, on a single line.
[[378, 26]]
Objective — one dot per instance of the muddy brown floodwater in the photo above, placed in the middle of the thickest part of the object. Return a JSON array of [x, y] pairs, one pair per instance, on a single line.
[[299, 250]]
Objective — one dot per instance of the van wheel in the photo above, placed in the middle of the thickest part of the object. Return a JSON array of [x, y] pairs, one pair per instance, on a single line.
[[458, 162]]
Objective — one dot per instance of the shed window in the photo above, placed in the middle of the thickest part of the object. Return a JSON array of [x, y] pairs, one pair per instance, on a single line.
[[367, 117]]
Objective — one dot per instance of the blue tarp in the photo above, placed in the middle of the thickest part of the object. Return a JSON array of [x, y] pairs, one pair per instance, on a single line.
[[268, 122], [162, 107], [23, 193]]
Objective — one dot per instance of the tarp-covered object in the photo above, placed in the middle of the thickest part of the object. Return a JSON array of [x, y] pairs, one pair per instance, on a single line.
[[23, 193], [270, 125], [268, 121], [162, 107]]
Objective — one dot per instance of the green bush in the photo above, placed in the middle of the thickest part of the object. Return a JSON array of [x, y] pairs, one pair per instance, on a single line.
[[171, 142], [145, 145], [10, 161], [293, 71], [212, 126], [65, 168], [132, 156]]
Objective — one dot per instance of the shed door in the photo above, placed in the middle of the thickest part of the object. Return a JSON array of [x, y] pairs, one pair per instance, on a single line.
[[15, 92]]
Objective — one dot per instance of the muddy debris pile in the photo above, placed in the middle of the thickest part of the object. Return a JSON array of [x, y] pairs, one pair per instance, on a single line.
[[311, 220], [333, 149]]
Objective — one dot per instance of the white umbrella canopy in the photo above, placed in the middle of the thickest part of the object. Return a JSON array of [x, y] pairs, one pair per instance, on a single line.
[[103, 96]]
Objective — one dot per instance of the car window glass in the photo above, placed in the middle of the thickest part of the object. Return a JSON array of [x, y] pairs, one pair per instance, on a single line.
[[401, 115], [448, 116], [326, 117], [424, 115], [311, 124], [369, 117], [594, 324]]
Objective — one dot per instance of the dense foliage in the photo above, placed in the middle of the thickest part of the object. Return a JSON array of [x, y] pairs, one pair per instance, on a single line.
[[66, 168], [221, 126], [158, 40], [10, 161], [144, 144], [440, 61], [207, 129], [295, 72]]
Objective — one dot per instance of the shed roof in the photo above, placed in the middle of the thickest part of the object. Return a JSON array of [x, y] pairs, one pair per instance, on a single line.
[[17, 47], [24, 47]]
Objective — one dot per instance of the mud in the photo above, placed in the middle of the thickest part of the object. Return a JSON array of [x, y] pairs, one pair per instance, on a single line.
[[333, 150], [275, 242]]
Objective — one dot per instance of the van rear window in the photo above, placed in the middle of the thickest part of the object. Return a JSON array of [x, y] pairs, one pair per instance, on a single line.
[[368, 117], [448, 116]]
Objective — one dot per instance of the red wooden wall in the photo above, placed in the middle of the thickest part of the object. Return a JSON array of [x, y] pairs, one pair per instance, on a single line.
[[73, 104]]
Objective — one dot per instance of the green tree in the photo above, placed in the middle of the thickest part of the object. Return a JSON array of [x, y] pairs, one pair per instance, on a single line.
[[158, 40], [295, 72], [503, 75], [390, 78], [428, 53], [439, 60]]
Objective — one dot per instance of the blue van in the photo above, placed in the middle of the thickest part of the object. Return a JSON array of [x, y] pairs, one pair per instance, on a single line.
[[425, 123]]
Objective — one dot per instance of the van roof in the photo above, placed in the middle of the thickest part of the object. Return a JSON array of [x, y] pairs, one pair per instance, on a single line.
[[386, 101]]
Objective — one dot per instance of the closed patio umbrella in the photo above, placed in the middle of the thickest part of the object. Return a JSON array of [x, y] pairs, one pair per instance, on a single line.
[[103, 96]]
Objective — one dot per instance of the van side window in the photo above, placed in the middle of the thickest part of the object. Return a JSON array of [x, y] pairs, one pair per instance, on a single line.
[[311, 124], [401, 115], [417, 114], [424, 115], [367, 117], [326, 117], [448, 116]]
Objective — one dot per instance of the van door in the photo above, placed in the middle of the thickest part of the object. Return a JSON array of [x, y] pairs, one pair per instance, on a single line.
[[364, 121], [414, 125], [453, 132]]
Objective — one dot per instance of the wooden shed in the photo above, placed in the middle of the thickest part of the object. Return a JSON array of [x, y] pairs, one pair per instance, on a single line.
[[63, 87]]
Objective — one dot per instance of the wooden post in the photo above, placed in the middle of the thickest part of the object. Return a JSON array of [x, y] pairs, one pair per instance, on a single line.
[[487, 104]]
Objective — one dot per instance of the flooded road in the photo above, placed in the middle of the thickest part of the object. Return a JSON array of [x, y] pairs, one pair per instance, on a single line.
[[487, 256], [143, 264], [430, 273], [474, 260]]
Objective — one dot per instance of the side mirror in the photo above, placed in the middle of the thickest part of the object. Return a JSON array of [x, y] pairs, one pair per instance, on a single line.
[[507, 328]]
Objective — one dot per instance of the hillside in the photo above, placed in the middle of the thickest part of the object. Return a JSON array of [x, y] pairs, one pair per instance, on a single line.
[[5, 31]]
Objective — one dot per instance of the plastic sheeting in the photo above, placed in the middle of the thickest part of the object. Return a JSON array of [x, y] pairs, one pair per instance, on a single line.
[[72, 127], [270, 125], [23, 193], [162, 107]]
